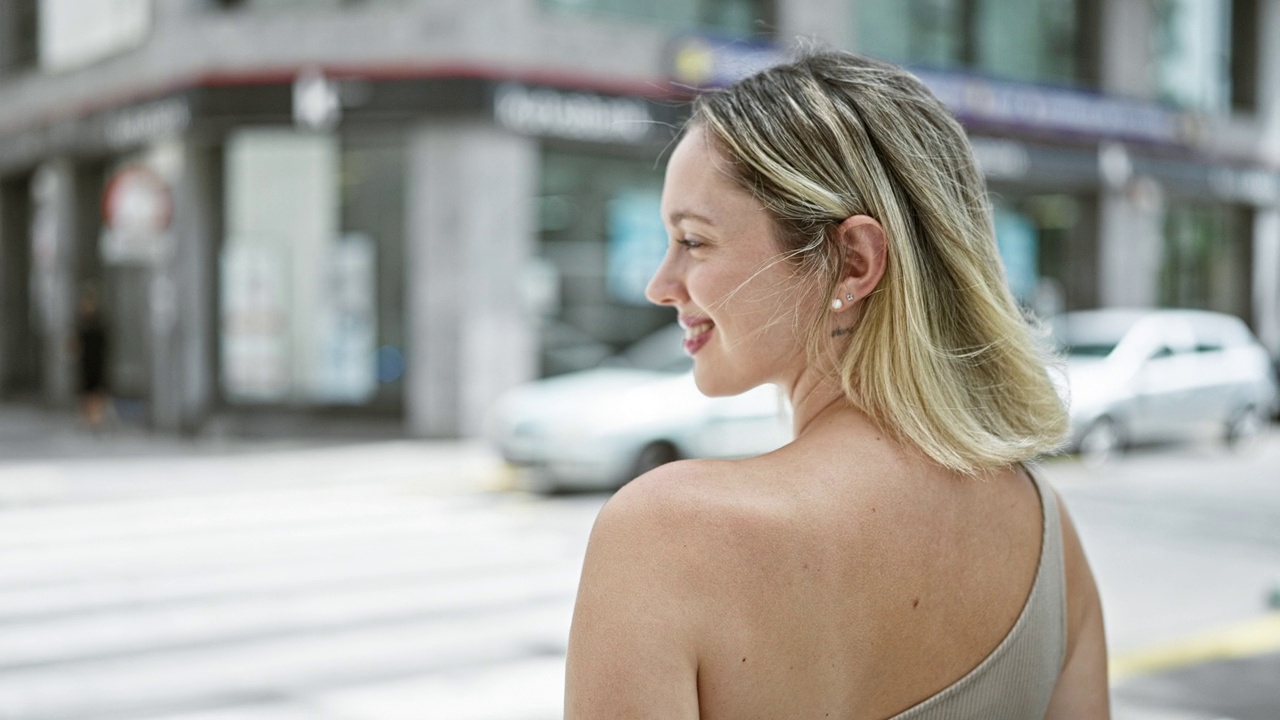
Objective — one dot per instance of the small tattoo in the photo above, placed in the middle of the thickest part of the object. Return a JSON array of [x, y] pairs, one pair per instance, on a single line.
[[841, 331]]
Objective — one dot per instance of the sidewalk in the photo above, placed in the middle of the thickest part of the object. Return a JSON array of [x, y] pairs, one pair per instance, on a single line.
[[47, 456]]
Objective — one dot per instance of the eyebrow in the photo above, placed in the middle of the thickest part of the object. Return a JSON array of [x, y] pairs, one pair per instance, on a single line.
[[679, 215]]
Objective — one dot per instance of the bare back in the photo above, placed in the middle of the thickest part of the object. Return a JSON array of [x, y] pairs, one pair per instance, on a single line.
[[859, 586], [840, 576]]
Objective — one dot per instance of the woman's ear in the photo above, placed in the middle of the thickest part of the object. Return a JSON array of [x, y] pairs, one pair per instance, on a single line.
[[862, 240]]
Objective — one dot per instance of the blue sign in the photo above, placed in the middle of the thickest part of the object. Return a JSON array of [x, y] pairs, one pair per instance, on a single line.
[[1062, 110], [637, 243], [704, 61]]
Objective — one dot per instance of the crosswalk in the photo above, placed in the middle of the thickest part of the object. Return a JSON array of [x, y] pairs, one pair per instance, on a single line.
[[318, 586]]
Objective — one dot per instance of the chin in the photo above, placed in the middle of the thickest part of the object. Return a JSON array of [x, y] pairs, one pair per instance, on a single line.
[[719, 384]]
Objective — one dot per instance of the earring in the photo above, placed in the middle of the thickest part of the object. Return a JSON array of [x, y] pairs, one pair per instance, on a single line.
[[849, 297], [837, 304]]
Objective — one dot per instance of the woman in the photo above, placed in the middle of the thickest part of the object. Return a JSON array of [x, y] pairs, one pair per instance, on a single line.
[[829, 232]]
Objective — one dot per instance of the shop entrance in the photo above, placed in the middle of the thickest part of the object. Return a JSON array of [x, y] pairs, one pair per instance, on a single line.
[[20, 377]]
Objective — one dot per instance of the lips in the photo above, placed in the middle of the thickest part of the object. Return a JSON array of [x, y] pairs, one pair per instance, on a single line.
[[697, 332]]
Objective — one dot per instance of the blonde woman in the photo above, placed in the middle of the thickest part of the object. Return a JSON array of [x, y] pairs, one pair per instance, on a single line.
[[829, 232]]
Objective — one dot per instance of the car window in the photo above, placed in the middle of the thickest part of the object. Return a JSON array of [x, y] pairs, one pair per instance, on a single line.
[[1096, 350], [660, 351]]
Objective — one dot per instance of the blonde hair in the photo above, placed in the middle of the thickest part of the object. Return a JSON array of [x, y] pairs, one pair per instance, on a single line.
[[942, 357]]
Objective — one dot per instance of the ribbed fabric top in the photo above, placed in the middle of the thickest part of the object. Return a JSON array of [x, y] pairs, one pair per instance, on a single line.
[[1016, 681]]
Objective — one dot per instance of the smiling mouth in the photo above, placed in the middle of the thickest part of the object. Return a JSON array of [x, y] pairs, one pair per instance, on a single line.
[[696, 336]]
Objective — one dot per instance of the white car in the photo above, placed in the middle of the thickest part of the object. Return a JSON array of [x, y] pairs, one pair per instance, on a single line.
[[1139, 376], [599, 428]]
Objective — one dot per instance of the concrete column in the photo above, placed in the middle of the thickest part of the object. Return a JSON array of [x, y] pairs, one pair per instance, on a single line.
[[181, 323], [1126, 62], [1269, 83], [471, 231], [830, 22], [1130, 244], [53, 269], [1266, 278]]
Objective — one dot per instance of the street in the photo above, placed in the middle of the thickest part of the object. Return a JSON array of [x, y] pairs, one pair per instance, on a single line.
[[389, 580]]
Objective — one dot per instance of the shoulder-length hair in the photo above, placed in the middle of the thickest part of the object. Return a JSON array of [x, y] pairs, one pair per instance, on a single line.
[[942, 357]]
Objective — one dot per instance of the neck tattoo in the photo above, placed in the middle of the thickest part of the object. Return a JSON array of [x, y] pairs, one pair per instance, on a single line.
[[842, 331]]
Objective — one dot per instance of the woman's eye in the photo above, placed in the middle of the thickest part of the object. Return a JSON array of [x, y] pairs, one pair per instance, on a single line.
[[690, 243]]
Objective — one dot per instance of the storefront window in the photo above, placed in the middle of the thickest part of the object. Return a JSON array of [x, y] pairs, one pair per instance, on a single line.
[[737, 17], [1035, 41], [1192, 53], [601, 238], [310, 280], [1049, 259], [1207, 258]]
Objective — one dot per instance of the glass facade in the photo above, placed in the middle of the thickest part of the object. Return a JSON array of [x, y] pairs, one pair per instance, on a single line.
[[1192, 53], [1034, 40], [1207, 261], [1050, 257], [311, 280], [734, 17], [600, 239]]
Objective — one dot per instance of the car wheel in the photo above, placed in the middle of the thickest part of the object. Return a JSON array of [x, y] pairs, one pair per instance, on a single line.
[[1101, 443], [1245, 429], [653, 455]]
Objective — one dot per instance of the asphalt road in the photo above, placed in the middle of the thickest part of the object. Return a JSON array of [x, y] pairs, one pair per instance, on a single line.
[[1185, 544], [168, 580]]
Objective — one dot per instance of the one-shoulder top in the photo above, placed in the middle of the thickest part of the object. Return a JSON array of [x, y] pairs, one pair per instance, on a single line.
[[1016, 681]]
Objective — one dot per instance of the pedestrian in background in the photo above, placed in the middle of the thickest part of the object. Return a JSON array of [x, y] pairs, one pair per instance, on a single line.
[[90, 348], [830, 232]]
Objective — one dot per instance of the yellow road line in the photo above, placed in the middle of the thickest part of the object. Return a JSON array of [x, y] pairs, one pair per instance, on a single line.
[[1247, 639]]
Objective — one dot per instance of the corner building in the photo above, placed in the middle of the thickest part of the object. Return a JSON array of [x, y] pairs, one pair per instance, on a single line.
[[396, 209]]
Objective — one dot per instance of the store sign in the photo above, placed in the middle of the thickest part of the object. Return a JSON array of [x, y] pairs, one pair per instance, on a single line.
[[1001, 159], [146, 123], [137, 208], [1260, 187], [548, 112], [1057, 110]]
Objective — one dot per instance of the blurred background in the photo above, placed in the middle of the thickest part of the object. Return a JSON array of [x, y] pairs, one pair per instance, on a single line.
[[323, 338]]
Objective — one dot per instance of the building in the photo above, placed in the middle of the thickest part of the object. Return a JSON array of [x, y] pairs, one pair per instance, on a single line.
[[399, 208]]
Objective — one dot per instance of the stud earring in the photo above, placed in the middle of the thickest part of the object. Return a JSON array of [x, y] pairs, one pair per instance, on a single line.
[[849, 297], [837, 304]]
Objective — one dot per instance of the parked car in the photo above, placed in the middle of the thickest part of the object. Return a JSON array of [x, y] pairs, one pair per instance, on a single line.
[[599, 428], [1138, 376]]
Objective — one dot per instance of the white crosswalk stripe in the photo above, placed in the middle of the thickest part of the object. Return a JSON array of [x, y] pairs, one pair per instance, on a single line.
[[362, 596]]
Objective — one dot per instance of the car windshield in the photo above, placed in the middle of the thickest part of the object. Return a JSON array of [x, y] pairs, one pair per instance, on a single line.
[[1091, 334], [1089, 350], [660, 351]]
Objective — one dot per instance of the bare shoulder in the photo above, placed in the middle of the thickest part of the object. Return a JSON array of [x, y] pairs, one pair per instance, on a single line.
[[641, 606], [1082, 686], [674, 509]]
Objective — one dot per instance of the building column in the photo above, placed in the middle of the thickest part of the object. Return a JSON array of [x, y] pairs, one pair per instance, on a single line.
[[828, 21], [1266, 277], [1125, 63], [1266, 223], [181, 324], [1130, 244], [53, 276], [470, 236]]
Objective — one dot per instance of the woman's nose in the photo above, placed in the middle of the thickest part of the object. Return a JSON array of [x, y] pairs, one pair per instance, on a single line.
[[664, 287]]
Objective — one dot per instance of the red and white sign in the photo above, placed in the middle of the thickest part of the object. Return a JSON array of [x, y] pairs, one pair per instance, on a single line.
[[137, 208]]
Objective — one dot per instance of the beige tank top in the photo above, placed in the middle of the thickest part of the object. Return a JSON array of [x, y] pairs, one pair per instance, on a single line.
[[1017, 679]]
